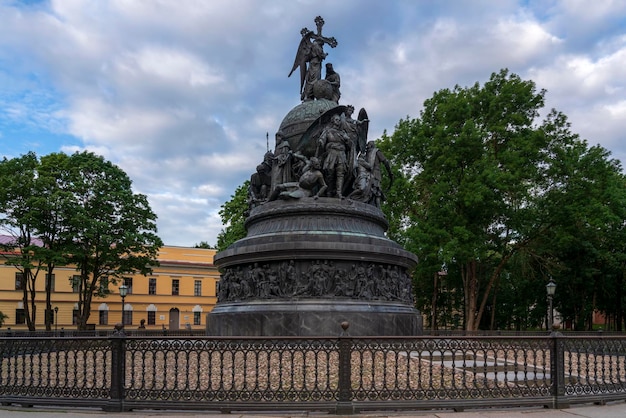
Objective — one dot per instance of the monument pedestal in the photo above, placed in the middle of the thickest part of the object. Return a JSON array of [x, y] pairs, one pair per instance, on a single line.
[[307, 265], [313, 318]]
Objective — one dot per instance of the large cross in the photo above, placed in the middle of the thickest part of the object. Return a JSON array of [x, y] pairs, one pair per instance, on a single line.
[[304, 49], [319, 22]]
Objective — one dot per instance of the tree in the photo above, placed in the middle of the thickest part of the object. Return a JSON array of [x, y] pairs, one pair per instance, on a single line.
[[203, 244], [111, 231], [588, 210], [233, 214], [52, 192], [17, 190], [476, 168], [78, 210], [612, 293]]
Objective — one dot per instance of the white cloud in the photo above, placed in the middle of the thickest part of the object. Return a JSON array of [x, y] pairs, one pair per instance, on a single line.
[[170, 66], [617, 110], [601, 10], [590, 91], [521, 40], [212, 190]]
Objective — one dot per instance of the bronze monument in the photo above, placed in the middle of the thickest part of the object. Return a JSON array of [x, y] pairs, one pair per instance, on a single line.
[[316, 254]]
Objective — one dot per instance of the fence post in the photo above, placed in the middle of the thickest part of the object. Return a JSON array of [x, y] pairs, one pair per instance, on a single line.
[[345, 406], [118, 370], [557, 371]]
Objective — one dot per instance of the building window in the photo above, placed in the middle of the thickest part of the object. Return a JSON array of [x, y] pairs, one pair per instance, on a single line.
[[51, 279], [196, 318], [76, 284], [75, 314], [175, 286], [104, 285], [20, 283], [152, 286], [104, 317], [128, 281], [20, 316], [151, 318], [127, 319], [197, 288]]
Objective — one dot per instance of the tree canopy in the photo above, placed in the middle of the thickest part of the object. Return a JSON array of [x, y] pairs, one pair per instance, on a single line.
[[203, 244], [83, 212], [233, 214], [18, 215], [488, 192]]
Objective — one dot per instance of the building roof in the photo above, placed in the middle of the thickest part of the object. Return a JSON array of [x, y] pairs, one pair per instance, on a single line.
[[9, 239]]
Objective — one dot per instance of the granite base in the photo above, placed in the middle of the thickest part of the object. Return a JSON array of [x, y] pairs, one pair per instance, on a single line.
[[314, 318]]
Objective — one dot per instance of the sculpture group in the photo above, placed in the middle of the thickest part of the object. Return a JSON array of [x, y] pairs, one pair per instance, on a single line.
[[315, 252], [344, 164]]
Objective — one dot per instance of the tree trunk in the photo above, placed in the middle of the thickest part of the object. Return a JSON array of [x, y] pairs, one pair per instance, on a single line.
[[491, 284], [433, 310], [49, 316], [470, 290], [492, 320], [30, 307], [619, 314], [84, 305], [25, 304]]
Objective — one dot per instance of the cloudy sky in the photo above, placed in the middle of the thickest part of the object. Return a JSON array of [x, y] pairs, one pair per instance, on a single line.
[[180, 93]]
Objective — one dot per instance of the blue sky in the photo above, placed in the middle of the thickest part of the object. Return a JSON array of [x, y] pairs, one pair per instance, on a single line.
[[180, 93]]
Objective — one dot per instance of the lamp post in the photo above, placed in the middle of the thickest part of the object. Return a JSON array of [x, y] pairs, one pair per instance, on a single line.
[[56, 318], [550, 289], [123, 293]]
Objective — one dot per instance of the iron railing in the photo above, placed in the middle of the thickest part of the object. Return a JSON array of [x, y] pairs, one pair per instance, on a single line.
[[338, 375]]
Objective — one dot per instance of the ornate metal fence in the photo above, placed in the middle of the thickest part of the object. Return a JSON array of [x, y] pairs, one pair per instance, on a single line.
[[338, 375]]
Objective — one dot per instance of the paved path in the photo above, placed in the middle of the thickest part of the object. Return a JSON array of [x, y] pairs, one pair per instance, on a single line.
[[611, 410]]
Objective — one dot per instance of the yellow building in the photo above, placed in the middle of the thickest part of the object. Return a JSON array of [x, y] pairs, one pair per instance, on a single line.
[[177, 295]]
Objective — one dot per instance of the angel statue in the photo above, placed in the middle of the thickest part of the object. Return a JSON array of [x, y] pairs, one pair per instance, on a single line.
[[311, 52]]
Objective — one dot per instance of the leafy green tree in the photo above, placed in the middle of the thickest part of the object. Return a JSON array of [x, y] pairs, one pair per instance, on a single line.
[[52, 193], [78, 210], [613, 291], [18, 177], [476, 167], [233, 214], [111, 231], [203, 244], [587, 209]]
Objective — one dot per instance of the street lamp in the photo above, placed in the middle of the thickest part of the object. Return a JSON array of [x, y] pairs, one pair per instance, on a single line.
[[123, 293], [550, 289], [56, 318]]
